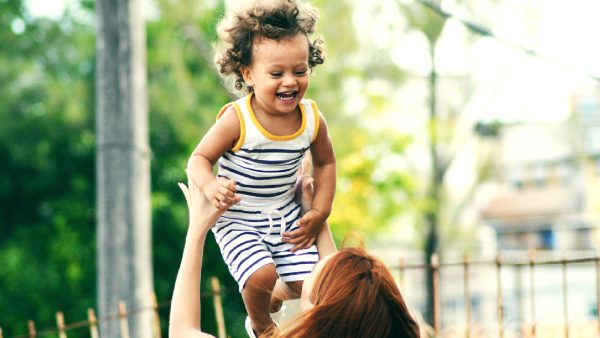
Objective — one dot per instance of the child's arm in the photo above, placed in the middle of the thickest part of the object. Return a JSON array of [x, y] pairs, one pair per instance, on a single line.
[[220, 137], [324, 184], [305, 192]]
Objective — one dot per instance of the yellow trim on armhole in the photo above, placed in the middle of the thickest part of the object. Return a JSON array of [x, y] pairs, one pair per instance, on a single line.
[[240, 140], [317, 120]]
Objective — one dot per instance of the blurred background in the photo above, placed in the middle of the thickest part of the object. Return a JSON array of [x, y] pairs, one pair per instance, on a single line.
[[462, 129]]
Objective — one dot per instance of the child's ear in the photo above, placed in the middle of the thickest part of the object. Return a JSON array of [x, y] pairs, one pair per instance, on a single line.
[[247, 76]]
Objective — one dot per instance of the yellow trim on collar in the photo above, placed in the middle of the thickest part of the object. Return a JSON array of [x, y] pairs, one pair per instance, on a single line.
[[240, 141], [266, 133], [313, 104]]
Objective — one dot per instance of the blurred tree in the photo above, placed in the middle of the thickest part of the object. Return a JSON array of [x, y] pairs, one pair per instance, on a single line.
[[47, 247], [431, 25], [367, 198], [444, 140]]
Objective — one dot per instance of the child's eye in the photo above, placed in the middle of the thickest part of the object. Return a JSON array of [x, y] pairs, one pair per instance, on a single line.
[[300, 72], [276, 74]]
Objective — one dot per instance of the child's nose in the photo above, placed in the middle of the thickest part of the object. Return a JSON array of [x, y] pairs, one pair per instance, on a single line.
[[289, 80]]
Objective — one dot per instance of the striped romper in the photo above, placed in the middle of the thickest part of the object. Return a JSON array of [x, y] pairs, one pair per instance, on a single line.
[[264, 167]]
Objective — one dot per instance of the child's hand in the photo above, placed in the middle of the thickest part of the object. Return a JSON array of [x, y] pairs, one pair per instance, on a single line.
[[309, 226], [221, 193], [201, 212]]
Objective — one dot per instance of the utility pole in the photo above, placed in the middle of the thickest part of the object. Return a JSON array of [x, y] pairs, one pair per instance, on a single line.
[[124, 265]]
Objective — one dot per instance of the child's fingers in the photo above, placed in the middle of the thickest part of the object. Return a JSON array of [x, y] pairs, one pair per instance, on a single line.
[[310, 243], [228, 184], [301, 245], [293, 234], [297, 240], [226, 192]]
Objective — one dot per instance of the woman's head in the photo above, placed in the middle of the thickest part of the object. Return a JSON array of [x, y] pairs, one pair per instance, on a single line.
[[250, 22], [353, 294]]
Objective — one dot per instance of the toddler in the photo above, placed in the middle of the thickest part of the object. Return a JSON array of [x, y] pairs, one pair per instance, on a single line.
[[259, 142]]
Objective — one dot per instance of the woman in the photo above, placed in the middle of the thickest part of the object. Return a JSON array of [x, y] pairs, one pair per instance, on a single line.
[[350, 293]]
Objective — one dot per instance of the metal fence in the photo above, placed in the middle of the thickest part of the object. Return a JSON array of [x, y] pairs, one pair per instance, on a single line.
[[566, 327], [529, 266]]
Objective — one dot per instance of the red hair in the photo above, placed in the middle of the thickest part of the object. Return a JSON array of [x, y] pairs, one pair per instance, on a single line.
[[354, 295]]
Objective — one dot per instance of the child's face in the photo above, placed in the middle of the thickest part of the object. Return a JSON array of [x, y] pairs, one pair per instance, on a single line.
[[279, 73]]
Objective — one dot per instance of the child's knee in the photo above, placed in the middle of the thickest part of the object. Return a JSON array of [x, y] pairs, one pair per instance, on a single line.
[[296, 286], [263, 279]]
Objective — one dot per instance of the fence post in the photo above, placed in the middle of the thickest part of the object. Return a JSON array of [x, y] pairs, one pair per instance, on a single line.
[[532, 290], [499, 297], [93, 322], [597, 263], [467, 292], [401, 283], [123, 320], [31, 328], [565, 297], [60, 324], [155, 316], [436, 294], [218, 305]]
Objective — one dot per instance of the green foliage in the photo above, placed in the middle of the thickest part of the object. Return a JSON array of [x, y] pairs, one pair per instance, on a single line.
[[47, 247]]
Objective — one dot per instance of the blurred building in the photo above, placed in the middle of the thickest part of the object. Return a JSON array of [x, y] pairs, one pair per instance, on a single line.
[[546, 191]]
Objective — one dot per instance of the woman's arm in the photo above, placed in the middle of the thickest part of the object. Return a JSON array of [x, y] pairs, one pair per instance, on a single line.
[[184, 320]]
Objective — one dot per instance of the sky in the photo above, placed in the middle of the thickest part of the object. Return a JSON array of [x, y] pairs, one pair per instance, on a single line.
[[509, 85]]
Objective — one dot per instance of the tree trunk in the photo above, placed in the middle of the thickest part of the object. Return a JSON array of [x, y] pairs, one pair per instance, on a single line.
[[437, 176], [123, 168]]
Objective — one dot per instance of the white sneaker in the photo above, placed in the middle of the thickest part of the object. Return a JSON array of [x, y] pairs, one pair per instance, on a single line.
[[249, 330], [279, 316]]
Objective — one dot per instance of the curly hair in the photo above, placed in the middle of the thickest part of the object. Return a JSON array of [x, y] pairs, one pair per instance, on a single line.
[[271, 19]]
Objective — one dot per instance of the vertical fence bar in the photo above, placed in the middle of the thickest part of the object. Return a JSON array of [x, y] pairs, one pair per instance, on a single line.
[[60, 324], [597, 264], [93, 322], [218, 305], [1, 333], [565, 297], [467, 292], [31, 328], [401, 267], [123, 320], [435, 264], [499, 297], [532, 290], [155, 316]]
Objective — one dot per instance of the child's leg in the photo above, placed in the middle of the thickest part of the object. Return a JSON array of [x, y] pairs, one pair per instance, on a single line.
[[291, 290], [284, 291], [257, 296]]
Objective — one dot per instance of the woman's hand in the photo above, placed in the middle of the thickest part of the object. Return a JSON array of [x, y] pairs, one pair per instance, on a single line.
[[304, 185]]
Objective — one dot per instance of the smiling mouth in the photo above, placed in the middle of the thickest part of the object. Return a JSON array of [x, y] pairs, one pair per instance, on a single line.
[[287, 96]]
